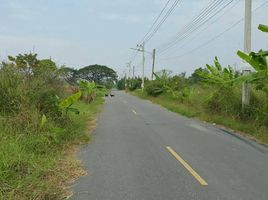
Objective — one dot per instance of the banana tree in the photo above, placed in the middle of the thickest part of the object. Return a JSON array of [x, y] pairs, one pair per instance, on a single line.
[[259, 62], [218, 75], [88, 90], [66, 104]]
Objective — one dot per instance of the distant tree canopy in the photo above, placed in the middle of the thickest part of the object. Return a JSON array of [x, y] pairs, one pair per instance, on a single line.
[[70, 75], [100, 74], [97, 73]]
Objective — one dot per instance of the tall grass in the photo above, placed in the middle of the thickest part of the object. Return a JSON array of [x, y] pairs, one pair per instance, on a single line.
[[37, 138], [35, 165]]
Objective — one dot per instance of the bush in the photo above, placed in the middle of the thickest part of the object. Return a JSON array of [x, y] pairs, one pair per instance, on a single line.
[[257, 111], [10, 91], [224, 101], [154, 88], [121, 84]]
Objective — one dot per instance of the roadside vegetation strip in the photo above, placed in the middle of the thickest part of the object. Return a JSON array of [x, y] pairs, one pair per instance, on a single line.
[[188, 167], [196, 107], [43, 120], [214, 93]]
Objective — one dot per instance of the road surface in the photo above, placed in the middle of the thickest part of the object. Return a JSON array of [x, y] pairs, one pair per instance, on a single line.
[[141, 151]]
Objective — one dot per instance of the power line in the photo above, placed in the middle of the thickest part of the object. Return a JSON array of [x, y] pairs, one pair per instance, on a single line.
[[197, 34], [169, 12], [134, 56], [217, 36], [201, 14], [193, 29], [156, 20]]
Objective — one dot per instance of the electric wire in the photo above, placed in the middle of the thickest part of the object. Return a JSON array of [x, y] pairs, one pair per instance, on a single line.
[[197, 34], [204, 12], [185, 36], [156, 20], [216, 37], [169, 12]]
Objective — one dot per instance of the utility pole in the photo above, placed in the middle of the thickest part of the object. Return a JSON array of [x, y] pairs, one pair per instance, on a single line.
[[125, 80], [247, 49], [141, 47], [133, 72], [153, 64], [143, 63], [129, 72]]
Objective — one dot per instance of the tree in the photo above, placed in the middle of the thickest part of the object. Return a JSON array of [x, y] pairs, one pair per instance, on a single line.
[[195, 78], [98, 73], [70, 75], [25, 62], [47, 65]]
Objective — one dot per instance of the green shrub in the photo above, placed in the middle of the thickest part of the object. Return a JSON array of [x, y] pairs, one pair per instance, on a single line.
[[47, 103], [224, 101], [121, 84], [154, 88], [10, 91], [257, 111]]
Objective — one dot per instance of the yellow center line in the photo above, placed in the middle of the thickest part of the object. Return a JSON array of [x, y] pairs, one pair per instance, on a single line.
[[188, 167], [134, 112]]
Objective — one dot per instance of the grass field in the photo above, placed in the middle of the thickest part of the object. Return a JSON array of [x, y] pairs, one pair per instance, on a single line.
[[40, 164]]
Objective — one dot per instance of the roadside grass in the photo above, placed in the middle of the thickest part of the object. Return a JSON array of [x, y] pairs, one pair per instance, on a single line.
[[39, 165], [194, 107]]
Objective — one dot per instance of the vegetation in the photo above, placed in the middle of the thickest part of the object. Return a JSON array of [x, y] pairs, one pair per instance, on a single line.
[[214, 94], [98, 74], [41, 121]]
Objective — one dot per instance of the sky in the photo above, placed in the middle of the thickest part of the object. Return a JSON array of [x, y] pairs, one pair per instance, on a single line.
[[80, 33]]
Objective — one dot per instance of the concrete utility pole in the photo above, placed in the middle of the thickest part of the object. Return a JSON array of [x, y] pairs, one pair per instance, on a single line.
[[247, 49], [133, 72], [129, 72], [143, 63], [125, 80], [153, 64], [141, 47]]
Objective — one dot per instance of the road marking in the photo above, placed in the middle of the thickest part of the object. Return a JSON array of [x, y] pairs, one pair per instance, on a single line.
[[188, 167], [134, 112]]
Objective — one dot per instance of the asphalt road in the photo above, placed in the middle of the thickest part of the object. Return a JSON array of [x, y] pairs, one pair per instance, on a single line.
[[140, 151]]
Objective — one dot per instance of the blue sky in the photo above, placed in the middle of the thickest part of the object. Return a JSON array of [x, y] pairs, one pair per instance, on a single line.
[[79, 33]]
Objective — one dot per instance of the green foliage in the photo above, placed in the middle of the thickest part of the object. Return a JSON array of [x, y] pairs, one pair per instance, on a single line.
[[176, 85], [259, 62], [134, 84], [256, 60], [154, 88], [32, 164], [10, 90], [89, 90], [224, 101], [121, 84], [66, 104], [98, 73], [69, 75], [43, 120], [218, 75], [263, 28], [218, 99], [36, 127], [195, 78], [26, 62]]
